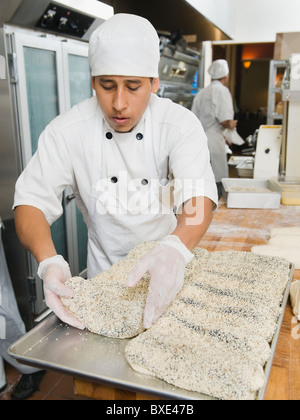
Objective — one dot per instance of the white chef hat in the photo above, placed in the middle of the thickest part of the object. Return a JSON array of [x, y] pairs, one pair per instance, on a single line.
[[125, 45], [218, 69]]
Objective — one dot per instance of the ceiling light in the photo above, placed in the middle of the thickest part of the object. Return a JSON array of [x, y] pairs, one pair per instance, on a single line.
[[247, 64]]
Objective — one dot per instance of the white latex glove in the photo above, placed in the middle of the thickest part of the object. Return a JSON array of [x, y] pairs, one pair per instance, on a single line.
[[166, 265], [55, 271]]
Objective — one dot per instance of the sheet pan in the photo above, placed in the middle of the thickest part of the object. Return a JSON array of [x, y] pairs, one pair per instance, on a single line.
[[56, 346]]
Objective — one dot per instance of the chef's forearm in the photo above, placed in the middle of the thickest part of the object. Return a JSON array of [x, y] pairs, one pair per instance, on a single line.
[[34, 232], [194, 221], [229, 124]]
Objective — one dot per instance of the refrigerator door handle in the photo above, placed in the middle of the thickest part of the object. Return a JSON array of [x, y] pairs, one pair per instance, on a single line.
[[13, 70], [2, 68], [70, 198]]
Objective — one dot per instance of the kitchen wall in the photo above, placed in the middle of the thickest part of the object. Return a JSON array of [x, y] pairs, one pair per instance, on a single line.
[[221, 13], [171, 15], [261, 20], [239, 20], [251, 21]]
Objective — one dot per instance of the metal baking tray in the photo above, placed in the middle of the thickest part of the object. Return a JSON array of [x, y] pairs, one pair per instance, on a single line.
[[242, 193], [56, 346], [245, 169]]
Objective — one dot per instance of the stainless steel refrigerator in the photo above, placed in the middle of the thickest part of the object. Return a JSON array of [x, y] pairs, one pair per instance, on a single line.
[[42, 74]]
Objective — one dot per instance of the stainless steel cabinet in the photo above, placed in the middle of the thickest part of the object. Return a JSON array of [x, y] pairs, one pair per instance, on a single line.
[[46, 75], [277, 71]]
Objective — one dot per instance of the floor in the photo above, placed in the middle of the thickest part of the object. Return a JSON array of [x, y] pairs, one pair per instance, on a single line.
[[54, 386]]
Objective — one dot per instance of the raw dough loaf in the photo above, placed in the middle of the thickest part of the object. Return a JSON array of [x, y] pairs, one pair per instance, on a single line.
[[105, 305], [285, 231], [287, 241], [284, 243], [295, 298], [290, 254], [214, 338]]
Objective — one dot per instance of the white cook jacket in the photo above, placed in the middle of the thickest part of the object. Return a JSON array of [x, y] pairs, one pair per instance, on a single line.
[[80, 150], [213, 105]]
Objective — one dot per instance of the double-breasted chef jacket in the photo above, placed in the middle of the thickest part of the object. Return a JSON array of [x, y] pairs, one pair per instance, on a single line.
[[118, 178]]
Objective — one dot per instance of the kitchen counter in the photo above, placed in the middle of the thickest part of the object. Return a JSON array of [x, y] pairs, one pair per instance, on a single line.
[[240, 230]]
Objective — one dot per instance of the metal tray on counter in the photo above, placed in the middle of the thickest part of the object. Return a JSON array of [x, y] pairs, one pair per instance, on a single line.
[[56, 346], [243, 193]]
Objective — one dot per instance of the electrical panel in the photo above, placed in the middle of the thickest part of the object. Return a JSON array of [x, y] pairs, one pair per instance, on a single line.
[[59, 19]]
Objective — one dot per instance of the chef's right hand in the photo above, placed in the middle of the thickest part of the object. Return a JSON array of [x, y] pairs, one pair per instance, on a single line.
[[55, 271], [233, 124]]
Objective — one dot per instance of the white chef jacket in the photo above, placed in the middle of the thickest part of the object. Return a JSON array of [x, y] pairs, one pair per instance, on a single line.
[[66, 153], [213, 105]]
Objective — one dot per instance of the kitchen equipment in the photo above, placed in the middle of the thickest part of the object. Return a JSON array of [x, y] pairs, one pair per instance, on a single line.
[[44, 71], [288, 181], [236, 160], [55, 346], [251, 142], [281, 143], [72, 18], [289, 189], [268, 149], [177, 69], [291, 139], [277, 69], [250, 194], [245, 168]]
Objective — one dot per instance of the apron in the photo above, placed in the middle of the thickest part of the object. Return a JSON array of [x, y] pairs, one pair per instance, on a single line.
[[124, 213], [218, 154], [210, 114]]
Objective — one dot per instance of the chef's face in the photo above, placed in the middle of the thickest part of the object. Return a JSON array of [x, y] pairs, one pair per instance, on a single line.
[[123, 99]]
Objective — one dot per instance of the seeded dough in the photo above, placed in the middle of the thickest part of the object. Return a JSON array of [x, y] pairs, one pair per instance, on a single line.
[[213, 339], [284, 243], [294, 231], [105, 305]]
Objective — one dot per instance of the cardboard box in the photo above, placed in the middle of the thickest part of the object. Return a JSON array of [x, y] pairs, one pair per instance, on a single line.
[[286, 45]]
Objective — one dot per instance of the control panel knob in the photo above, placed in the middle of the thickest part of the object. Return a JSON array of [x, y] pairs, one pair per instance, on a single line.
[[48, 18], [62, 23]]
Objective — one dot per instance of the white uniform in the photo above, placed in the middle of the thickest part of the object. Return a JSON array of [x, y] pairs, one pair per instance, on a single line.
[[213, 105], [109, 172]]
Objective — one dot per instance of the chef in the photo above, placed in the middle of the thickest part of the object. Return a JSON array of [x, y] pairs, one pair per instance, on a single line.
[[139, 167], [214, 108]]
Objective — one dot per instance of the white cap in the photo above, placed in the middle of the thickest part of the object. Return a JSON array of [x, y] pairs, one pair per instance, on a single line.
[[125, 45], [219, 69]]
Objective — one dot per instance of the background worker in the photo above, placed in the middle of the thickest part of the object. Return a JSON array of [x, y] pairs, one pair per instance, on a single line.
[[214, 108]]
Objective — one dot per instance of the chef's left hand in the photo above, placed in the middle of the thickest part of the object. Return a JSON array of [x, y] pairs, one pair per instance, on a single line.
[[166, 265]]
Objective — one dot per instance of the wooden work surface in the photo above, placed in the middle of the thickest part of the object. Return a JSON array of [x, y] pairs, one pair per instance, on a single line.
[[240, 230]]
